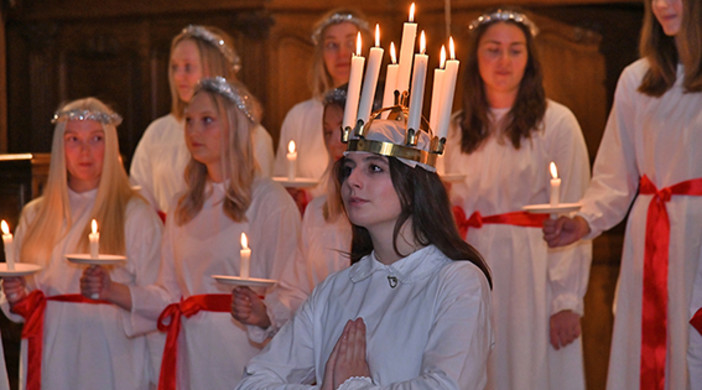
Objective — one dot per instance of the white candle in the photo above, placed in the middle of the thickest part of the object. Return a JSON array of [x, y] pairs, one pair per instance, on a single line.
[[450, 77], [437, 93], [244, 257], [409, 35], [555, 185], [292, 160], [94, 239], [7, 243], [419, 75], [390, 81], [357, 62], [370, 81]]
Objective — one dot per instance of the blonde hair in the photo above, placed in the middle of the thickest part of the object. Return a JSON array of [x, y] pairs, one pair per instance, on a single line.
[[237, 162], [320, 79], [214, 63], [53, 218]]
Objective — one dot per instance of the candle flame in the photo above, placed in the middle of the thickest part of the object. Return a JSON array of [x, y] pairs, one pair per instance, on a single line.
[[452, 48], [377, 35], [422, 43], [244, 241], [93, 226], [411, 14], [5, 227], [358, 44], [291, 146], [554, 170], [442, 61], [393, 55]]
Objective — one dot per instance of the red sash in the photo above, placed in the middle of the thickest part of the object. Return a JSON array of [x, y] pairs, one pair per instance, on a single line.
[[32, 308], [654, 311], [189, 307], [696, 320], [516, 218]]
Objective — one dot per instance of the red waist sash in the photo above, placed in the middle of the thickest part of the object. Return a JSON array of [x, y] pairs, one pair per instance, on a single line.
[[32, 308], [654, 311], [188, 307], [516, 218]]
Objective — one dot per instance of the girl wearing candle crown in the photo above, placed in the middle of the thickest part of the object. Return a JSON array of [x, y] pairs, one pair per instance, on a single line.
[[161, 155], [334, 39], [503, 142], [647, 166], [225, 197], [84, 344], [413, 311]]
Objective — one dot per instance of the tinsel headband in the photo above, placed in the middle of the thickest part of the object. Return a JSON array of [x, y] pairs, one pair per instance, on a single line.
[[235, 93], [86, 115], [504, 16], [336, 18], [202, 33]]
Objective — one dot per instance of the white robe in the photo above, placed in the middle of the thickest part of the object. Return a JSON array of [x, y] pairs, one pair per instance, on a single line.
[[531, 282], [656, 137], [89, 346], [432, 331], [161, 156], [213, 347]]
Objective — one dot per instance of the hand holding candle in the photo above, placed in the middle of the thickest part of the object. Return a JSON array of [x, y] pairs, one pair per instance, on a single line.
[[244, 257], [94, 239], [292, 160], [7, 243], [555, 185]]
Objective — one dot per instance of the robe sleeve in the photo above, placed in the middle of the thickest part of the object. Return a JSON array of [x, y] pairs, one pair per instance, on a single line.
[[263, 150], [141, 171]]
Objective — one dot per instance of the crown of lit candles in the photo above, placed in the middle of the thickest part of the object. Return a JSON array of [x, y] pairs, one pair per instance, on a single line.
[[358, 116]]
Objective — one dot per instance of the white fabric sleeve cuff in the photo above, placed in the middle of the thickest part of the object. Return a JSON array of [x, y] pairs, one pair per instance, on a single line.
[[355, 383], [567, 302]]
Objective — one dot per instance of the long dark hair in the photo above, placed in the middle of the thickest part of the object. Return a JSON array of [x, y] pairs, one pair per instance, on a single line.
[[424, 199], [662, 54], [529, 106]]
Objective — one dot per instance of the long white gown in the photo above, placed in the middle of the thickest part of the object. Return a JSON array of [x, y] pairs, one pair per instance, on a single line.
[[161, 156], [213, 347], [89, 346], [431, 331], [531, 281], [656, 137]]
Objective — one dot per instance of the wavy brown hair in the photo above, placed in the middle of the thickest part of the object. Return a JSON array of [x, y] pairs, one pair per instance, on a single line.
[[529, 106], [423, 198], [662, 53]]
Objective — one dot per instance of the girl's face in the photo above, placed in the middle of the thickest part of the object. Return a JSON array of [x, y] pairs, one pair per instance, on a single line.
[[203, 131], [84, 146], [186, 68], [669, 14], [333, 116], [368, 193], [339, 42], [502, 58]]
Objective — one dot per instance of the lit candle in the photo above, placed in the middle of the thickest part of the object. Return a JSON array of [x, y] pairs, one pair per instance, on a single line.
[[390, 81], [244, 257], [419, 75], [409, 34], [94, 238], [357, 62], [437, 92], [292, 160], [370, 81], [450, 76], [7, 243], [555, 185]]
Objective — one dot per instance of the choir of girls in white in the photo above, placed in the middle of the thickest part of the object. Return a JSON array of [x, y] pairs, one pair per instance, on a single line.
[[391, 279]]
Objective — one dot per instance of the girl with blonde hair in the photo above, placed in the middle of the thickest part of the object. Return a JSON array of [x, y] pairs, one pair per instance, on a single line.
[[81, 337]]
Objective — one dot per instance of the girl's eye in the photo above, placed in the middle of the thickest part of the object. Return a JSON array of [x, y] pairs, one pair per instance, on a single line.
[[331, 46], [70, 140], [207, 120], [97, 138], [188, 68], [375, 168], [346, 171]]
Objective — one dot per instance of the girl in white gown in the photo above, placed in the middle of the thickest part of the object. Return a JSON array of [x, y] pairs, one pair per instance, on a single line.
[[85, 343]]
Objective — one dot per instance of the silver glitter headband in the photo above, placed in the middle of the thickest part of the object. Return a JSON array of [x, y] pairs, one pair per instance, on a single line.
[[505, 16], [235, 93], [215, 40], [86, 115], [335, 96], [337, 18]]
